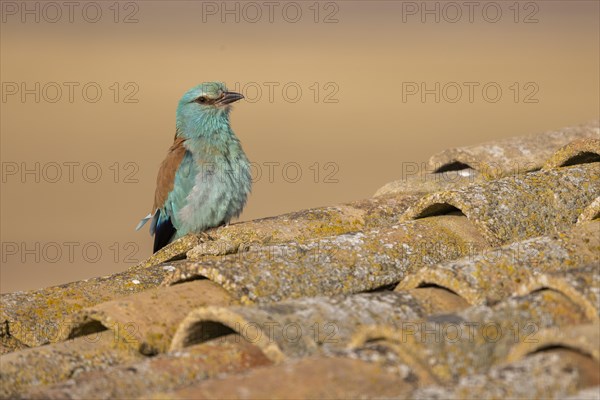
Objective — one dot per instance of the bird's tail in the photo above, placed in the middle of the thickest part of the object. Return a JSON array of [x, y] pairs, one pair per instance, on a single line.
[[143, 221]]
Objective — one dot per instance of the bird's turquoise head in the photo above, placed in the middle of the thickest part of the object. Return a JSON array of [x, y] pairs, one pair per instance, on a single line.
[[204, 108]]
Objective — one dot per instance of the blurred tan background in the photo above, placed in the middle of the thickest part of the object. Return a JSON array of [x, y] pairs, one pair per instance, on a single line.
[[348, 133]]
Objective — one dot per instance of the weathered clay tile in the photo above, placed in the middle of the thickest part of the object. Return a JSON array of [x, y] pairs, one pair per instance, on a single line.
[[165, 372], [422, 182], [464, 166], [49, 364], [557, 364], [296, 226], [174, 251], [521, 206], [583, 339], [591, 212], [503, 211], [554, 374], [35, 317], [577, 152], [9, 343], [343, 264], [357, 338], [312, 325], [581, 285], [512, 155], [497, 273], [30, 318], [592, 393], [310, 378], [446, 347], [148, 320]]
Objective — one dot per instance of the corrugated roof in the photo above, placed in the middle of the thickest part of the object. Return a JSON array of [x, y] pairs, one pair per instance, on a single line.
[[487, 286]]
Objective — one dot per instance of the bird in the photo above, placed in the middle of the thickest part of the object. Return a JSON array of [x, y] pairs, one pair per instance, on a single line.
[[205, 179]]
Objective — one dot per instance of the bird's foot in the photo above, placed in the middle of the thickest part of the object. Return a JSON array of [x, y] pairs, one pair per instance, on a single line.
[[205, 237], [212, 248]]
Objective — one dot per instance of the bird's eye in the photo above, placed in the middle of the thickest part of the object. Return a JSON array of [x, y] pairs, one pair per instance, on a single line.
[[201, 99]]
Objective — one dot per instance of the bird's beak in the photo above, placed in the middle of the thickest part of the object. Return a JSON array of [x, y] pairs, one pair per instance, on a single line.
[[229, 97]]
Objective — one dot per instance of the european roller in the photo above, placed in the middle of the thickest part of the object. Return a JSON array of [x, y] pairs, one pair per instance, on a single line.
[[205, 179]]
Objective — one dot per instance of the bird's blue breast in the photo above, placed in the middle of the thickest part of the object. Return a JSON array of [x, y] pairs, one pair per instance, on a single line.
[[211, 186]]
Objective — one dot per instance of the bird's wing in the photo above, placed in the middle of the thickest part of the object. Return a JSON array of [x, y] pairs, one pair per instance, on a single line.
[[163, 230], [166, 174], [161, 224]]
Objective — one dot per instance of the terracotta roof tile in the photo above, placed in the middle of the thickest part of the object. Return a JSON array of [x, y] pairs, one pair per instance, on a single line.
[[422, 183], [147, 332], [581, 285], [455, 168], [32, 317], [54, 363], [577, 152], [26, 326], [497, 273], [164, 372], [346, 263], [591, 393], [554, 374], [521, 206], [480, 279], [311, 325], [584, 339], [300, 225], [513, 155], [558, 363], [591, 212], [467, 342], [311, 378]]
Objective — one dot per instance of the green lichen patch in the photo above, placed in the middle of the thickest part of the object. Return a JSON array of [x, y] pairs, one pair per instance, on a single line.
[[39, 316], [519, 207], [348, 263], [497, 273], [447, 347]]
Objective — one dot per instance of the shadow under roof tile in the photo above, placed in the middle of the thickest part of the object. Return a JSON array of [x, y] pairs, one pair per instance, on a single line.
[[518, 207], [584, 339], [579, 151], [512, 155], [9, 343], [32, 317], [581, 285], [497, 273], [446, 347], [310, 325], [147, 321]]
